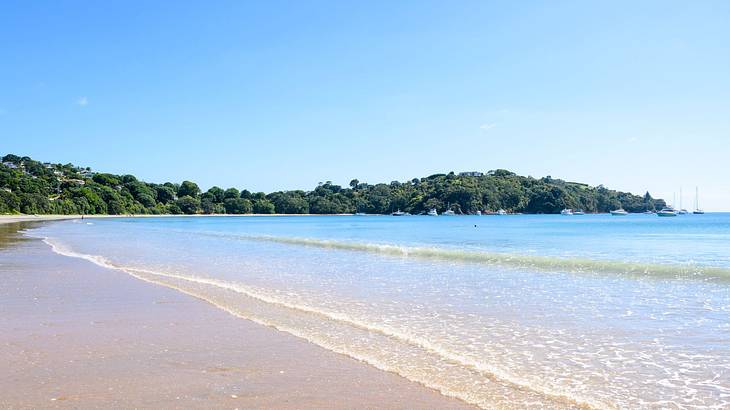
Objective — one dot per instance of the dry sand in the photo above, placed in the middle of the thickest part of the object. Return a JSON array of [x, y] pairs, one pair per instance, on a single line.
[[74, 335]]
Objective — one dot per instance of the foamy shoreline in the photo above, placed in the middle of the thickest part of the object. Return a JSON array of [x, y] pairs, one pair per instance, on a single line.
[[83, 336]]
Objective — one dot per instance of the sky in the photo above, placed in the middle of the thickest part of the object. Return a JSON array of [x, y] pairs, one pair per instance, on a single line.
[[276, 95]]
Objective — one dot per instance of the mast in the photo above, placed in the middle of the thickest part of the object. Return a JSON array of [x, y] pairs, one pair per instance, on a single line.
[[680, 198], [697, 198]]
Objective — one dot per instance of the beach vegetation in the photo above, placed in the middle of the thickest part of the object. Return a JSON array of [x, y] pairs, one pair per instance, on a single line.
[[31, 187]]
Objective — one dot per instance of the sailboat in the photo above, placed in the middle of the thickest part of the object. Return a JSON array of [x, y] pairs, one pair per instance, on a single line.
[[448, 211], [697, 210], [681, 211], [433, 212]]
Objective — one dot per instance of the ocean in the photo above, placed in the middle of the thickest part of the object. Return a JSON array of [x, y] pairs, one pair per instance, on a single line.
[[518, 311]]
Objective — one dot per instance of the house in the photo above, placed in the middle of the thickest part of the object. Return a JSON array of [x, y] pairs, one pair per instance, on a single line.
[[76, 181], [10, 165], [471, 174]]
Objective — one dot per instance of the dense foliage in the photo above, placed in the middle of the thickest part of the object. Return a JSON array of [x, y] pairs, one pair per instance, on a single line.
[[31, 187]]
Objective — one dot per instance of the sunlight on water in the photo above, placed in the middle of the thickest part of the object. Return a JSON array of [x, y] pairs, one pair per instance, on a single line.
[[558, 325]]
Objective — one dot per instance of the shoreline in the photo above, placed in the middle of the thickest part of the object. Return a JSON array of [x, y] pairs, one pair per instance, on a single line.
[[79, 335], [54, 217]]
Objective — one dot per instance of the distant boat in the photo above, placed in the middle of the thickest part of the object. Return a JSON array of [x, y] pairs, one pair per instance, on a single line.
[[566, 212], [697, 210], [433, 212], [501, 212], [648, 212], [479, 213], [667, 211], [681, 211], [449, 212], [398, 213], [578, 212], [360, 214], [619, 212]]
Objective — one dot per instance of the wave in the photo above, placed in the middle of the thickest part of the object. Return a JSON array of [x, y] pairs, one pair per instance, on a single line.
[[493, 373], [533, 262]]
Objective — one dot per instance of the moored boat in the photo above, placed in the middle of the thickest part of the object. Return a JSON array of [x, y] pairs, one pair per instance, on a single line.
[[433, 212], [667, 211], [619, 212], [697, 210], [578, 212], [566, 212], [449, 212], [398, 213], [501, 212]]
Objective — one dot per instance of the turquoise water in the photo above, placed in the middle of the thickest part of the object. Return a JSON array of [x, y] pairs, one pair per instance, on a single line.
[[501, 311]]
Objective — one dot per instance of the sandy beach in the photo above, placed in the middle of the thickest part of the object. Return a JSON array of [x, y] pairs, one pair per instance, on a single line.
[[75, 335]]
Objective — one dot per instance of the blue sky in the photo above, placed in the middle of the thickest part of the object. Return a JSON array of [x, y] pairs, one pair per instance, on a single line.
[[281, 95]]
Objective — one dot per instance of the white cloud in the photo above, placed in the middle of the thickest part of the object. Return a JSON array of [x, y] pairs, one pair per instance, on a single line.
[[486, 127], [82, 101]]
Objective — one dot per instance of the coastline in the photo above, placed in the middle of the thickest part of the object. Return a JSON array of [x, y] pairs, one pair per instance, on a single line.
[[40, 218], [78, 335]]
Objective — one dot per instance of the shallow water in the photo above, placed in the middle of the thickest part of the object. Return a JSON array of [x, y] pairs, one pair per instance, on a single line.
[[500, 311]]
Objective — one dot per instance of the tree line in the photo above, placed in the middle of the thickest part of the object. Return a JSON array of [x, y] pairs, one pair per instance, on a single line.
[[31, 187]]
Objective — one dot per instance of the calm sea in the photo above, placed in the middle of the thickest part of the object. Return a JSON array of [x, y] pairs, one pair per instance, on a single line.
[[522, 311]]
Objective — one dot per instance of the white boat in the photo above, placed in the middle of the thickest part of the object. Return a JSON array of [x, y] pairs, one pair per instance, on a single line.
[[578, 212], [501, 212], [449, 212], [697, 210], [479, 213], [360, 214], [566, 212], [433, 212], [619, 212], [681, 211], [398, 213], [667, 211]]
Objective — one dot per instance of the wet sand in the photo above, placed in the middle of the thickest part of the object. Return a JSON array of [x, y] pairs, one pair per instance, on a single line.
[[74, 335]]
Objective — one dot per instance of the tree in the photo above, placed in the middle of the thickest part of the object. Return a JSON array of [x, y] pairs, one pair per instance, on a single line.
[[237, 206], [188, 188], [231, 193], [263, 206], [216, 194], [188, 205], [165, 194], [207, 206], [107, 179]]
